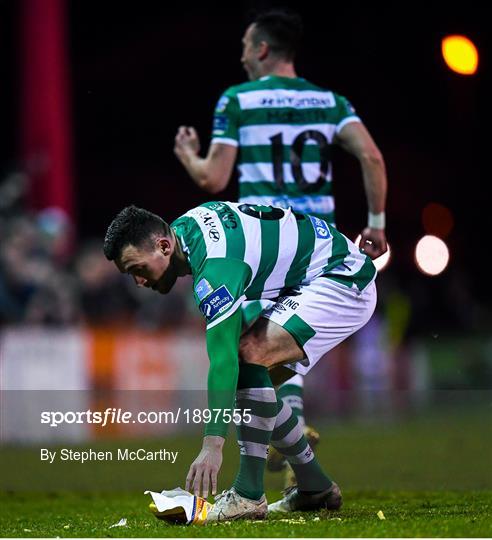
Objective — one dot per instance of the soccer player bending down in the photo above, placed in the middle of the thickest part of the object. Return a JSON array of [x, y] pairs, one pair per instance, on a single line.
[[324, 291]]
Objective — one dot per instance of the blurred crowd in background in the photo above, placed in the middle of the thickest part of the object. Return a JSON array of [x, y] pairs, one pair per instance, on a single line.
[[46, 278], [422, 336]]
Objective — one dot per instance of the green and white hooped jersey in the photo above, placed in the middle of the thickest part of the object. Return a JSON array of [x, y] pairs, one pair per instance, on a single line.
[[284, 129], [240, 252]]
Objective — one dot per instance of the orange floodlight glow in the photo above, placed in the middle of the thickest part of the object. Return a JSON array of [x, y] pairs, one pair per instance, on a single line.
[[437, 220], [382, 261], [431, 255], [460, 54]]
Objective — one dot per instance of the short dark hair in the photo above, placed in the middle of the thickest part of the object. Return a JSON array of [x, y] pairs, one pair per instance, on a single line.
[[281, 29], [134, 226]]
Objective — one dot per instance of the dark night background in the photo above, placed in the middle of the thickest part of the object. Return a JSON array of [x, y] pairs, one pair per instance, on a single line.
[[403, 406], [139, 70]]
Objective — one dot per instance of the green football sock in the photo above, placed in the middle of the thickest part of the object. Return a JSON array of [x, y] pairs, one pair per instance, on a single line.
[[289, 440], [256, 399], [292, 393]]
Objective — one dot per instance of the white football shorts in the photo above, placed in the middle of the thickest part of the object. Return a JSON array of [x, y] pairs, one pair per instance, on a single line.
[[321, 315]]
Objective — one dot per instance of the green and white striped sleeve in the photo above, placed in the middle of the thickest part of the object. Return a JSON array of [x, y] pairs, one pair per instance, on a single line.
[[345, 112], [219, 292], [226, 120]]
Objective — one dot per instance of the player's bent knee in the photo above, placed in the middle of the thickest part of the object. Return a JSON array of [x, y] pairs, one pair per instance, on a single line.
[[251, 350], [268, 344]]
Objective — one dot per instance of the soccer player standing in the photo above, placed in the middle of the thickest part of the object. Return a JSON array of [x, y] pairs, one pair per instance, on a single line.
[[280, 129]]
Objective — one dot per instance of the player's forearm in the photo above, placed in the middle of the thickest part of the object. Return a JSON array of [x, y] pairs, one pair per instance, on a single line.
[[196, 167], [375, 182], [222, 348], [205, 172], [221, 397]]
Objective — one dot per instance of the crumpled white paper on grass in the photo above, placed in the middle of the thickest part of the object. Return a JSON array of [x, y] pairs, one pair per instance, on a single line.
[[179, 506], [121, 523]]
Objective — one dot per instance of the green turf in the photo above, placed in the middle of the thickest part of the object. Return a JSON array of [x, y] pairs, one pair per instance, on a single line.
[[430, 476], [430, 514]]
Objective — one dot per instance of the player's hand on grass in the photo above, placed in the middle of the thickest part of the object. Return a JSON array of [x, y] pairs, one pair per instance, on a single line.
[[203, 472], [373, 242], [186, 141]]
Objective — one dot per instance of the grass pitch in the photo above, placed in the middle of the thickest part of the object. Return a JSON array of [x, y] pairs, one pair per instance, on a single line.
[[429, 476], [408, 514]]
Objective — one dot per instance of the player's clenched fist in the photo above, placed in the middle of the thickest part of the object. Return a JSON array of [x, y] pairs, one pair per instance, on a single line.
[[373, 242], [186, 141]]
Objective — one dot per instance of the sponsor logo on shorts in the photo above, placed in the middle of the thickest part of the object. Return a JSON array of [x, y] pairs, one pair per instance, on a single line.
[[289, 303], [216, 302], [284, 303], [320, 227]]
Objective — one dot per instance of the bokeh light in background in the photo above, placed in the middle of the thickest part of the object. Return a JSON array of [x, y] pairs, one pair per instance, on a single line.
[[437, 220], [431, 255], [381, 262], [460, 54], [76, 335]]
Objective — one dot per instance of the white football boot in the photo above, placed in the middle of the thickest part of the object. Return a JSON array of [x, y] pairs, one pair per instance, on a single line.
[[297, 501], [229, 506]]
